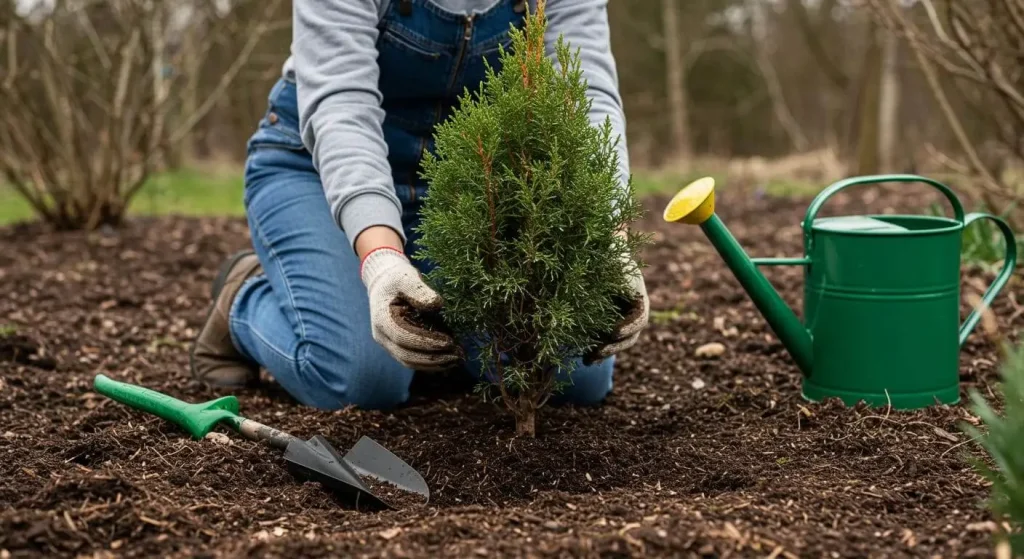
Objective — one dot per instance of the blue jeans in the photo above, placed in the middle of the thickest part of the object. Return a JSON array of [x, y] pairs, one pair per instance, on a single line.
[[306, 320]]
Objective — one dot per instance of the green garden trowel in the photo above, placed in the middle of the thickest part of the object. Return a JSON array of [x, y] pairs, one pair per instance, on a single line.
[[369, 474]]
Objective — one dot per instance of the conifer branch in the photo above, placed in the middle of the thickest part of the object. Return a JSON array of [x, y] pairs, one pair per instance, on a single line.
[[519, 174], [488, 179], [1002, 442]]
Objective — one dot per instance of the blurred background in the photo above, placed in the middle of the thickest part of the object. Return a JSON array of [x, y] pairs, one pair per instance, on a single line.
[[108, 106]]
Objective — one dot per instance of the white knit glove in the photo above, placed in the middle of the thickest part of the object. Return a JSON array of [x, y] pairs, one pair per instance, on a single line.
[[396, 291]]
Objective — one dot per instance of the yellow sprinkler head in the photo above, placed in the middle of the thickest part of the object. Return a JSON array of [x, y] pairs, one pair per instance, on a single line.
[[694, 204]]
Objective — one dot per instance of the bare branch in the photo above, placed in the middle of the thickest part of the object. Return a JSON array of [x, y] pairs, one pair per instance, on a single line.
[[1016, 12], [989, 184], [774, 86], [254, 39], [812, 37], [12, 54], [94, 38], [94, 101]]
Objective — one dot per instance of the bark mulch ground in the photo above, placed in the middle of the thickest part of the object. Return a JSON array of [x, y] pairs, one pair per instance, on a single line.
[[690, 456]]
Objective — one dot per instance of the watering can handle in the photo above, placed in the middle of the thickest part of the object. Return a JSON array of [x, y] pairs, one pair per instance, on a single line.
[[821, 198], [1009, 262]]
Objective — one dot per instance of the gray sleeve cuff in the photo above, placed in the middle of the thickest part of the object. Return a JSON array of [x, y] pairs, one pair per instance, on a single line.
[[368, 210]]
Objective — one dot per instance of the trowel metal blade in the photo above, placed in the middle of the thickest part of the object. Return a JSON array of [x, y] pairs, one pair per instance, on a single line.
[[369, 458], [317, 460]]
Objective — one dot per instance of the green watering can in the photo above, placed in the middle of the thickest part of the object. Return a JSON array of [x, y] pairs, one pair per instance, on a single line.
[[881, 296]]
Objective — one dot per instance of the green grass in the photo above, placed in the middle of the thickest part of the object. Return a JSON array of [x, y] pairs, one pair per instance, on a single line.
[[662, 317], [187, 192], [670, 183], [192, 192], [667, 183], [792, 188], [219, 192], [13, 207]]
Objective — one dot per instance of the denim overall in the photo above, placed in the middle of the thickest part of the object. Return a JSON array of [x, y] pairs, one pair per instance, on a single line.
[[306, 318]]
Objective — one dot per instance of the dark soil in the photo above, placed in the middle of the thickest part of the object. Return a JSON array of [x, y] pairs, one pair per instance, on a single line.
[[690, 456], [392, 495]]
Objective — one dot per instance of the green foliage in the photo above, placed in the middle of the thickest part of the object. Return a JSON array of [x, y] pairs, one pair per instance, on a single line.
[[200, 191], [983, 243], [1004, 443], [521, 221], [662, 317]]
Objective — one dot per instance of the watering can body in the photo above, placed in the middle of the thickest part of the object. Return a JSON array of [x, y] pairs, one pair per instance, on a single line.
[[881, 299], [882, 307]]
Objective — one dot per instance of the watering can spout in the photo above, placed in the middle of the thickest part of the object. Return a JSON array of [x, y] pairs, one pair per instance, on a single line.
[[695, 205]]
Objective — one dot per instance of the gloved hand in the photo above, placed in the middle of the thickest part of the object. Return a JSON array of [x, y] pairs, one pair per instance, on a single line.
[[396, 293], [634, 320]]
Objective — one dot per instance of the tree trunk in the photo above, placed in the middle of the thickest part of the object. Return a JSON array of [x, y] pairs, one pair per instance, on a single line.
[[182, 152], [524, 410], [888, 102], [867, 106], [675, 74], [526, 417], [763, 51], [158, 65]]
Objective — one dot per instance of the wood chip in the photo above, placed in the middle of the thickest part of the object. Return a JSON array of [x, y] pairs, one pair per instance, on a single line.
[[713, 349], [553, 525], [628, 527], [733, 532], [945, 435], [988, 322], [986, 526], [219, 438], [148, 520]]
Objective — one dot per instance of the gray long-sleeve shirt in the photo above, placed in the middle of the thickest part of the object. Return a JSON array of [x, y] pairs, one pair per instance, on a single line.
[[334, 64]]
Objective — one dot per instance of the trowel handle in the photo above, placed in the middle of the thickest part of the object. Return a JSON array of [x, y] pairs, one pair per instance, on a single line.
[[824, 195], [1009, 263], [196, 419], [144, 399]]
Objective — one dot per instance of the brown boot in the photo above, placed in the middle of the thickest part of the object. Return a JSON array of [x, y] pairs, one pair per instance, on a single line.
[[214, 359]]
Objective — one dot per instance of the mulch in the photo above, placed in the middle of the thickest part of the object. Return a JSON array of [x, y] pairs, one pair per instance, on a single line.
[[704, 456]]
